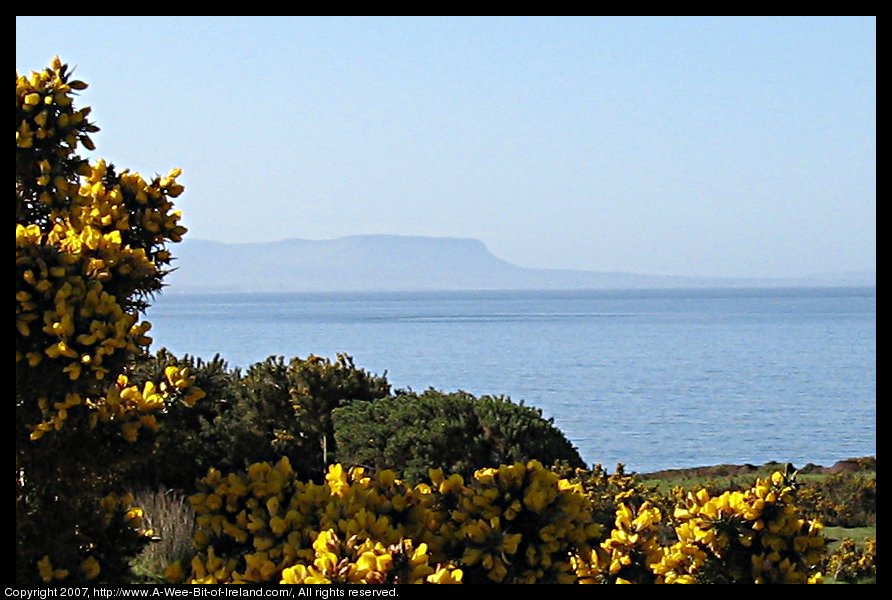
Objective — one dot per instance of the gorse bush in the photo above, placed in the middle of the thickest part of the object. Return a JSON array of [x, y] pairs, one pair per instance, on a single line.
[[853, 562], [511, 524], [610, 490], [842, 499], [254, 525], [91, 247], [284, 409], [519, 523], [175, 456], [754, 535], [275, 408], [455, 432]]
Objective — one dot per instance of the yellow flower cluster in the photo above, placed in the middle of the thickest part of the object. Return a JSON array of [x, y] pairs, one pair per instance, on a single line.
[[90, 243], [129, 405], [517, 523], [514, 523], [631, 549], [742, 536], [282, 528], [83, 327], [756, 534], [120, 507], [368, 562], [45, 116]]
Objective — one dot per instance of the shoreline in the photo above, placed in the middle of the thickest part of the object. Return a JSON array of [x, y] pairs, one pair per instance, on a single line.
[[848, 465]]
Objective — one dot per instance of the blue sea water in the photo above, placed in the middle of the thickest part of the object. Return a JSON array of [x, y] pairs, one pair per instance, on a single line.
[[650, 378]]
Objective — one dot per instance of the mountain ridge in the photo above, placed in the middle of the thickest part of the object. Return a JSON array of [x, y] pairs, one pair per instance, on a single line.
[[414, 263]]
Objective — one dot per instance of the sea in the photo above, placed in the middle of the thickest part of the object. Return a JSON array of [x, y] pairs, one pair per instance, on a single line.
[[652, 379]]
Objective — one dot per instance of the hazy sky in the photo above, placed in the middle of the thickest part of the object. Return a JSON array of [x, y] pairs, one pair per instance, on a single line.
[[715, 146]]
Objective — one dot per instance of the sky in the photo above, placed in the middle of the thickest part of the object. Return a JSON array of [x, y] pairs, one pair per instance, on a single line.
[[741, 147]]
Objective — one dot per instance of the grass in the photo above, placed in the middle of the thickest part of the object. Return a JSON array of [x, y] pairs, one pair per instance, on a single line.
[[859, 534], [169, 514]]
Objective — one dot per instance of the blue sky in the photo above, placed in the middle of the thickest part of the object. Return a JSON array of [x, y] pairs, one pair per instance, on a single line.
[[689, 146]]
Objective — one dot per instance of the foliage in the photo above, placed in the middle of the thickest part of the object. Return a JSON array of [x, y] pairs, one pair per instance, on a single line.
[[284, 409], [740, 536], [610, 490], [337, 561], [519, 523], [179, 454], [255, 524], [274, 409], [91, 247], [842, 499], [853, 562], [514, 523], [749, 536], [455, 432]]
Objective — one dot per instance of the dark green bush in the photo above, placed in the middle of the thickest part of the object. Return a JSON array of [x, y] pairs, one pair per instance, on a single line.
[[274, 409], [456, 432], [284, 409]]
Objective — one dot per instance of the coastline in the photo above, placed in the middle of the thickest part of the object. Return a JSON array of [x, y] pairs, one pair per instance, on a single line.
[[849, 465]]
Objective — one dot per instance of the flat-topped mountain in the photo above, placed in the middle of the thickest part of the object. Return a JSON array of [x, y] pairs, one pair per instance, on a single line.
[[404, 263]]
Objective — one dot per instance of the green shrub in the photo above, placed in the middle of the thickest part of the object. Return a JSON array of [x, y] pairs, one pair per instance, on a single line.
[[455, 432], [274, 409], [284, 409]]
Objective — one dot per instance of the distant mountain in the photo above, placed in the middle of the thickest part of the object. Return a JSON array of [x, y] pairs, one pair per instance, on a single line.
[[404, 263]]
